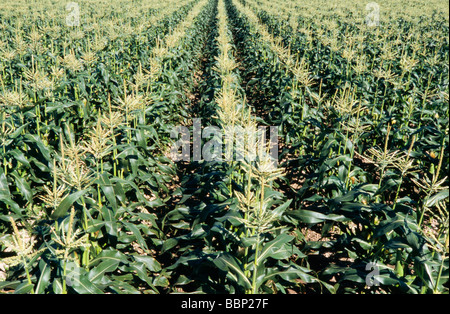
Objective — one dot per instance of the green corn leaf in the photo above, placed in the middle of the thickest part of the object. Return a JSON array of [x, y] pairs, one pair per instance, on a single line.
[[169, 244], [109, 221], [276, 249], [228, 263], [108, 190], [106, 266], [141, 272], [67, 203], [388, 226], [151, 263], [23, 186], [430, 202], [137, 233], [24, 288], [110, 254], [312, 217], [20, 156], [82, 285], [44, 278]]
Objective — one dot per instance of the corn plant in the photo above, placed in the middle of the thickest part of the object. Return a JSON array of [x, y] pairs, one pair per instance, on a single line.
[[92, 200]]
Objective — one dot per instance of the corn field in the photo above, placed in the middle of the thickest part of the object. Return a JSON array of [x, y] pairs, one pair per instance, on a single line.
[[136, 157]]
